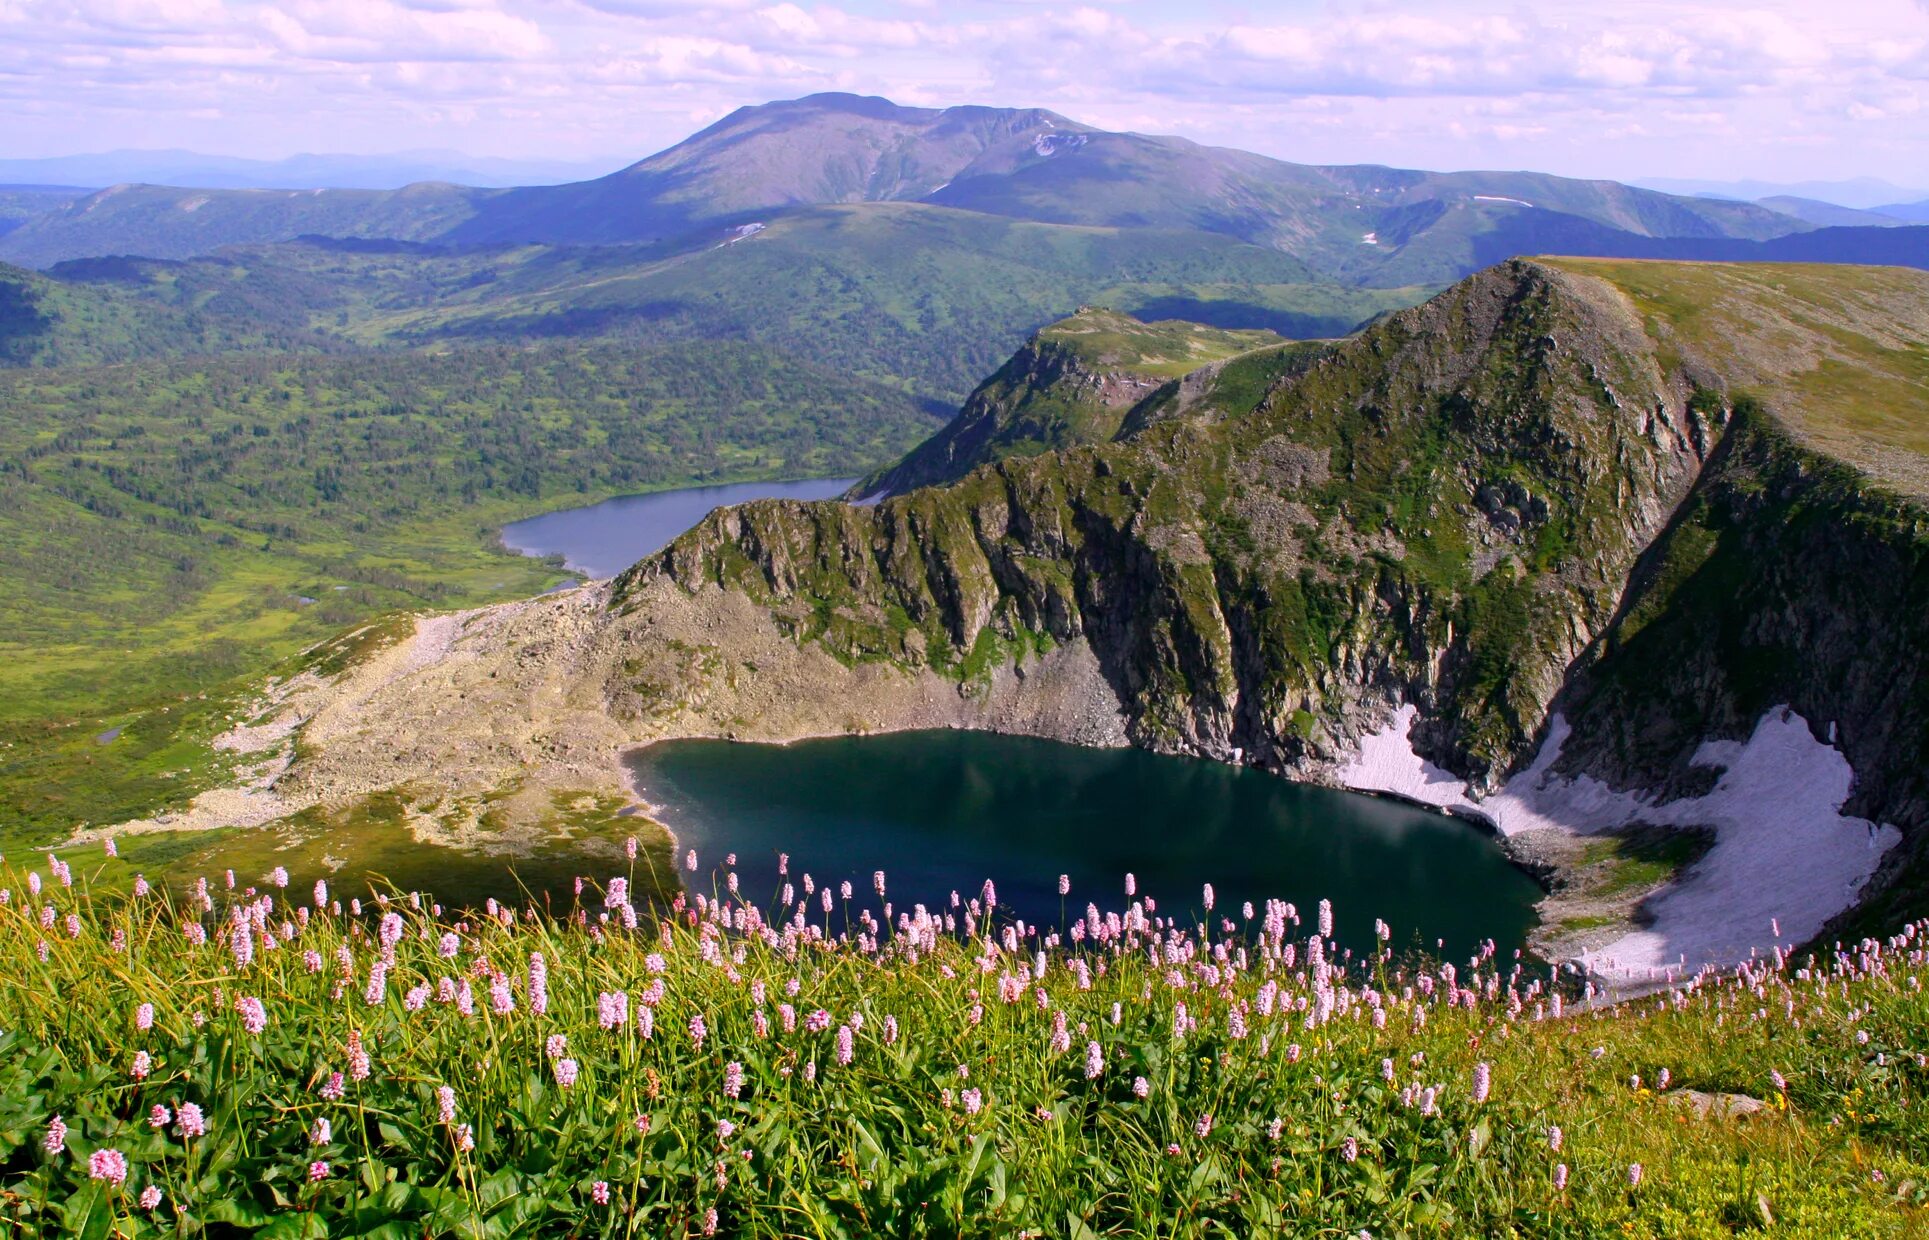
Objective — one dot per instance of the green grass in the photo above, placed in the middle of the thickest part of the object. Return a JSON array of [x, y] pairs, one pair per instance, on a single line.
[[168, 530], [1642, 858], [1839, 353], [1262, 1110]]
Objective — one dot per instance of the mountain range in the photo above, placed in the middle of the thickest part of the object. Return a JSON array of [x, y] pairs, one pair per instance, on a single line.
[[389, 171], [1362, 225], [1859, 193]]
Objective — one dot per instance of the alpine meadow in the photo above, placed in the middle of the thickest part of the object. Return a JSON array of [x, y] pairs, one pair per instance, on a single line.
[[1326, 698]]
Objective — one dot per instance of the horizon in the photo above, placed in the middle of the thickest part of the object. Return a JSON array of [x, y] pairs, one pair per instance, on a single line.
[[1715, 91]]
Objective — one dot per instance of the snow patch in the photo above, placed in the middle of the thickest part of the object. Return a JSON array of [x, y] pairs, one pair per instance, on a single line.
[[1519, 202], [1046, 145], [743, 231], [192, 205], [1783, 848], [1372, 238]]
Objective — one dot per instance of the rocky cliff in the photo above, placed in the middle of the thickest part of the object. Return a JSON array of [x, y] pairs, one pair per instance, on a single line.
[[1441, 511], [1575, 546], [1075, 382]]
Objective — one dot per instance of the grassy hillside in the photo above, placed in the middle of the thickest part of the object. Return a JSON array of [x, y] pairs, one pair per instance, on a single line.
[[102, 311], [913, 296], [20, 203], [290, 1064], [164, 528], [1075, 382], [1840, 354]]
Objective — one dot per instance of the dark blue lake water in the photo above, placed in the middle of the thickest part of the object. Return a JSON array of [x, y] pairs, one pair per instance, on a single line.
[[943, 811]]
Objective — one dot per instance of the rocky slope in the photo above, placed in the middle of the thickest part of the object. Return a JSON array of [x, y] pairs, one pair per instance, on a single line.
[[1077, 381], [1556, 541]]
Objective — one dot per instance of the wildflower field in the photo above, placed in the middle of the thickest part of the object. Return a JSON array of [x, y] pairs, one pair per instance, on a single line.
[[280, 1060]]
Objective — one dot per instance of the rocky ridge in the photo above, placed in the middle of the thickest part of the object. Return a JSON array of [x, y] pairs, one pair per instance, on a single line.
[[1537, 496]]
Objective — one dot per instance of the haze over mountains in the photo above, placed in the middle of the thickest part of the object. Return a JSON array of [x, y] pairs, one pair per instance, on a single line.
[[390, 171], [1362, 225]]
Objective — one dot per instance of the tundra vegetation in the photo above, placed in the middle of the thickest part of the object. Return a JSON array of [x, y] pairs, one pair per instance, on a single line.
[[279, 1059]]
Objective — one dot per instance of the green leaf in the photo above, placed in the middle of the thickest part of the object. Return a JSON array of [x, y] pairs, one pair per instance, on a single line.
[[88, 1214], [239, 1211], [873, 1152], [295, 1227]]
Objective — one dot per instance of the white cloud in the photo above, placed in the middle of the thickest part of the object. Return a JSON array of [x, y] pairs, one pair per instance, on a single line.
[[1444, 82]]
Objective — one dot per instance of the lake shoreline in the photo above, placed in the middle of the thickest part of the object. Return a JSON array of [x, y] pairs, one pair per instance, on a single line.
[[637, 524]]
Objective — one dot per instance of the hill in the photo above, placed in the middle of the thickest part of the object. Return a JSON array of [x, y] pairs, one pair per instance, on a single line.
[[914, 296], [1363, 225], [1575, 546], [168, 526], [1828, 214], [1079, 381]]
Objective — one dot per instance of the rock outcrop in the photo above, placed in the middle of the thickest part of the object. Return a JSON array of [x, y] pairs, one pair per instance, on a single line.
[[1649, 501]]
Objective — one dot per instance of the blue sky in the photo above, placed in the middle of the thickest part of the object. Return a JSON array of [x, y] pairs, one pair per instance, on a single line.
[[1618, 88]]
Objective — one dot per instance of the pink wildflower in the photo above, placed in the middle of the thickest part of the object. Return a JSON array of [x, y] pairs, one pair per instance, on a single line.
[[151, 1198], [56, 1139], [254, 1014], [317, 1171], [538, 984], [159, 1116], [108, 1165], [599, 1192], [566, 1072], [190, 1120]]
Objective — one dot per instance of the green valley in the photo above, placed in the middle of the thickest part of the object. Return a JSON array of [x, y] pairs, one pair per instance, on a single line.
[[169, 526]]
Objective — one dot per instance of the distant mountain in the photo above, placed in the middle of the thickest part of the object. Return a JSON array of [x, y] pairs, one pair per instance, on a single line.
[[1880, 246], [1827, 214], [1364, 225], [1862, 193], [1912, 212], [190, 168], [20, 203]]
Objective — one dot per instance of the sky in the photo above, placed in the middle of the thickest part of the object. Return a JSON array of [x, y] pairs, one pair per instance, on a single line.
[[1781, 90]]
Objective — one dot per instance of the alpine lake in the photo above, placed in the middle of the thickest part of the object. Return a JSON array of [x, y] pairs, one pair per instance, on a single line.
[[942, 812]]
